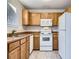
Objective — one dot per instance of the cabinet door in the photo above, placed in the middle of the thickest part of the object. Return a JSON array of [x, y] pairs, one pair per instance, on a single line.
[[44, 15], [55, 20], [28, 47], [34, 19], [68, 9], [36, 42], [23, 51], [55, 41], [15, 54], [50, 16], [25, 17]]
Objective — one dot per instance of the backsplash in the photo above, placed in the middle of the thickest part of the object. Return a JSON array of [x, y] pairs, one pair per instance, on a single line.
[[37, 28]]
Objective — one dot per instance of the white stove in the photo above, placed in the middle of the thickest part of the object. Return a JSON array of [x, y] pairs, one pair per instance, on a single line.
[[46, 42]]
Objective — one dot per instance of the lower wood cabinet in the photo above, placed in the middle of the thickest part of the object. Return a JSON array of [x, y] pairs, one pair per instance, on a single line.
[[36, 43], [55, 40], [19, 49], [28, 48], [23, 51], [15, 54]]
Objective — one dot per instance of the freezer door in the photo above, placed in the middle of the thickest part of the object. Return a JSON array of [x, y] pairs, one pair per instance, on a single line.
[[62, 22], [68, 21]]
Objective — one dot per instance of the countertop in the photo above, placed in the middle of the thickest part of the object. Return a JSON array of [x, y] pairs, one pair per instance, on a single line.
[[13, 39], [34, 29]]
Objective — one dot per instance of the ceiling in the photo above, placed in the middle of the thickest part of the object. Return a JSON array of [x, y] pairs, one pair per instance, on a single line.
[[46, 4]]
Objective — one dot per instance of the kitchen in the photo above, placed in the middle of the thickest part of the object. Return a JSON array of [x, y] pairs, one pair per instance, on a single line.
[[35, 31]]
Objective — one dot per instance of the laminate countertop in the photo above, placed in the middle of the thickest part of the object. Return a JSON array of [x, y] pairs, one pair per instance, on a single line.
[[13, 39]]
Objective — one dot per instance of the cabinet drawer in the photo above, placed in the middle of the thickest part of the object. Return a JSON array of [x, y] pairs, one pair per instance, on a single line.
[[23, 40], [13, 45]]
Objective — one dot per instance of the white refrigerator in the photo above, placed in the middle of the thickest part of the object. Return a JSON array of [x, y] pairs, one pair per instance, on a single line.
[[65, 36]]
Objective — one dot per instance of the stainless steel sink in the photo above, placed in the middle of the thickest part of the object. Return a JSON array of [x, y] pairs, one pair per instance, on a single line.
[[19, 35]]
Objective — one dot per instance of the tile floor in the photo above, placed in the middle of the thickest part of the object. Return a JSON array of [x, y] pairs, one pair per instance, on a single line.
[[44, 55]]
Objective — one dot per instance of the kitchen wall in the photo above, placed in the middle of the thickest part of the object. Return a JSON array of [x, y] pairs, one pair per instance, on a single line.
[[37, 28], [19, 26], [19, 8]]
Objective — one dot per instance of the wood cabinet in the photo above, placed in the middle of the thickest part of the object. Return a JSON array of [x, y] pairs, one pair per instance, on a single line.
[[56, 18], [36, 41], [15, 54], [19, 49], [46, 15], [25, 17], [23, 51], [28, 47], [34, 18], [68, 9], [53, 16], [13, 45], [55, 41]]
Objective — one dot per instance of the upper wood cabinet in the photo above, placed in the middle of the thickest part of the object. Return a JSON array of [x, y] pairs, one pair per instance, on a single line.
[[46, 15], [56, 18], [68, 9], [53, 16], [34, 18], [25, 17]]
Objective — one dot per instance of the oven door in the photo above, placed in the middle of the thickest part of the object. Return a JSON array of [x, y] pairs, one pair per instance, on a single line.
[[45, 39]]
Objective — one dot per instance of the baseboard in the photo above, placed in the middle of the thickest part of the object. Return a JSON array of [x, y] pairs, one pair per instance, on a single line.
[[55, 49], [36, 49]]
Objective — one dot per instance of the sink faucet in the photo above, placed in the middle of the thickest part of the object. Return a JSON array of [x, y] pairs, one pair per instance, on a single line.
[[13, 32]]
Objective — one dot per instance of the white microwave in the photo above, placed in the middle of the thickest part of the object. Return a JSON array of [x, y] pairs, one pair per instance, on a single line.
[[46, 22]]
